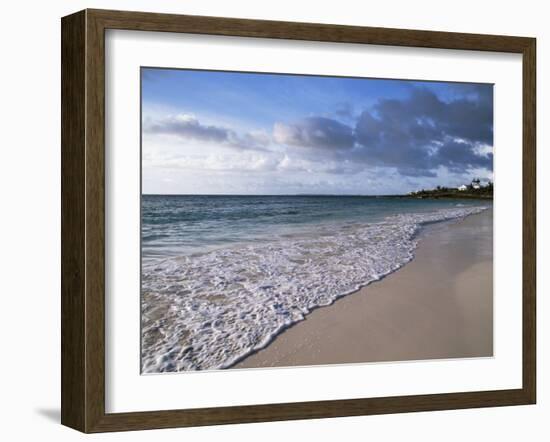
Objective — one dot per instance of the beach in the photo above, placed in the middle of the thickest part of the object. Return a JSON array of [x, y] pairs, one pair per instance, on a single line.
[[438, 306], [224, 277], [284, 233]]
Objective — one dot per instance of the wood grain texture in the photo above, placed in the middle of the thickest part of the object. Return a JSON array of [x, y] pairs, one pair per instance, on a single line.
[[529, 221], [95, 222], [144, 21], [83, 220], [73, 258]]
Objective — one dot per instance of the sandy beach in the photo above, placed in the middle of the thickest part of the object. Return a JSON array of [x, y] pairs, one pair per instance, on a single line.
[[438, 306]]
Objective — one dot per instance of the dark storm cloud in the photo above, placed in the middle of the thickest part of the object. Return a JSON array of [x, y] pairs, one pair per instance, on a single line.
[[421, 133], [189, 128], [469, 119], [315, 132], [415, 135], [460, 156]]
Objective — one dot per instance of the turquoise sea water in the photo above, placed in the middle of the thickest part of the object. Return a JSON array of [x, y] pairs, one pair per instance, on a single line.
[[223, 275], [175, 225]]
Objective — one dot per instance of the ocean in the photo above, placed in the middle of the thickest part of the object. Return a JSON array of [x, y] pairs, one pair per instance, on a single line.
[[223, 275]]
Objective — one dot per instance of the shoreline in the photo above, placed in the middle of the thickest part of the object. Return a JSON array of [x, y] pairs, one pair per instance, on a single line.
[[437, 306]]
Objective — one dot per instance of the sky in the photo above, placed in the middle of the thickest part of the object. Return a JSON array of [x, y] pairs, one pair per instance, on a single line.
[[214, 132]]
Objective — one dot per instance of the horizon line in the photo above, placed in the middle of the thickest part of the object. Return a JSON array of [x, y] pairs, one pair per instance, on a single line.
[[272, 194]]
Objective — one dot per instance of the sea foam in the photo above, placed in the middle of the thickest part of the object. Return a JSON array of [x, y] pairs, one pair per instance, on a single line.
[[210, 310]]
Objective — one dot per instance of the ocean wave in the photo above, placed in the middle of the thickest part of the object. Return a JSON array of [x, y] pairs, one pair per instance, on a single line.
[[210, 310]]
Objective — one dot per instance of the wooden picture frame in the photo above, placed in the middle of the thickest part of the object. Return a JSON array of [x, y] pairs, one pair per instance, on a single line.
[[83, 220]]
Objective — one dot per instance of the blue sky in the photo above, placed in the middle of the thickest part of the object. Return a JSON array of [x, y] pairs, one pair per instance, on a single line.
[[209, 132]]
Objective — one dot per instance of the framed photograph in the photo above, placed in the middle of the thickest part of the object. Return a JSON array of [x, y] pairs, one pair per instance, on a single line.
[[270, 220]]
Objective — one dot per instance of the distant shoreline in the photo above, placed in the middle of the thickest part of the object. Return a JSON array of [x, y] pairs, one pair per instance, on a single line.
[[458, 196], [403, 196]]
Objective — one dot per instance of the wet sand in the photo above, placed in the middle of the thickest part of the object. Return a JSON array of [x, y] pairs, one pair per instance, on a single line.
[[438, 306]]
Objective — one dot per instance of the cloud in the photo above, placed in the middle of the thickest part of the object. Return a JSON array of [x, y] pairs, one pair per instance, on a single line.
[[344, 110], [459, 156], [188, 127], [418, 136], [421, 133], [315, 132], [216, 162]]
